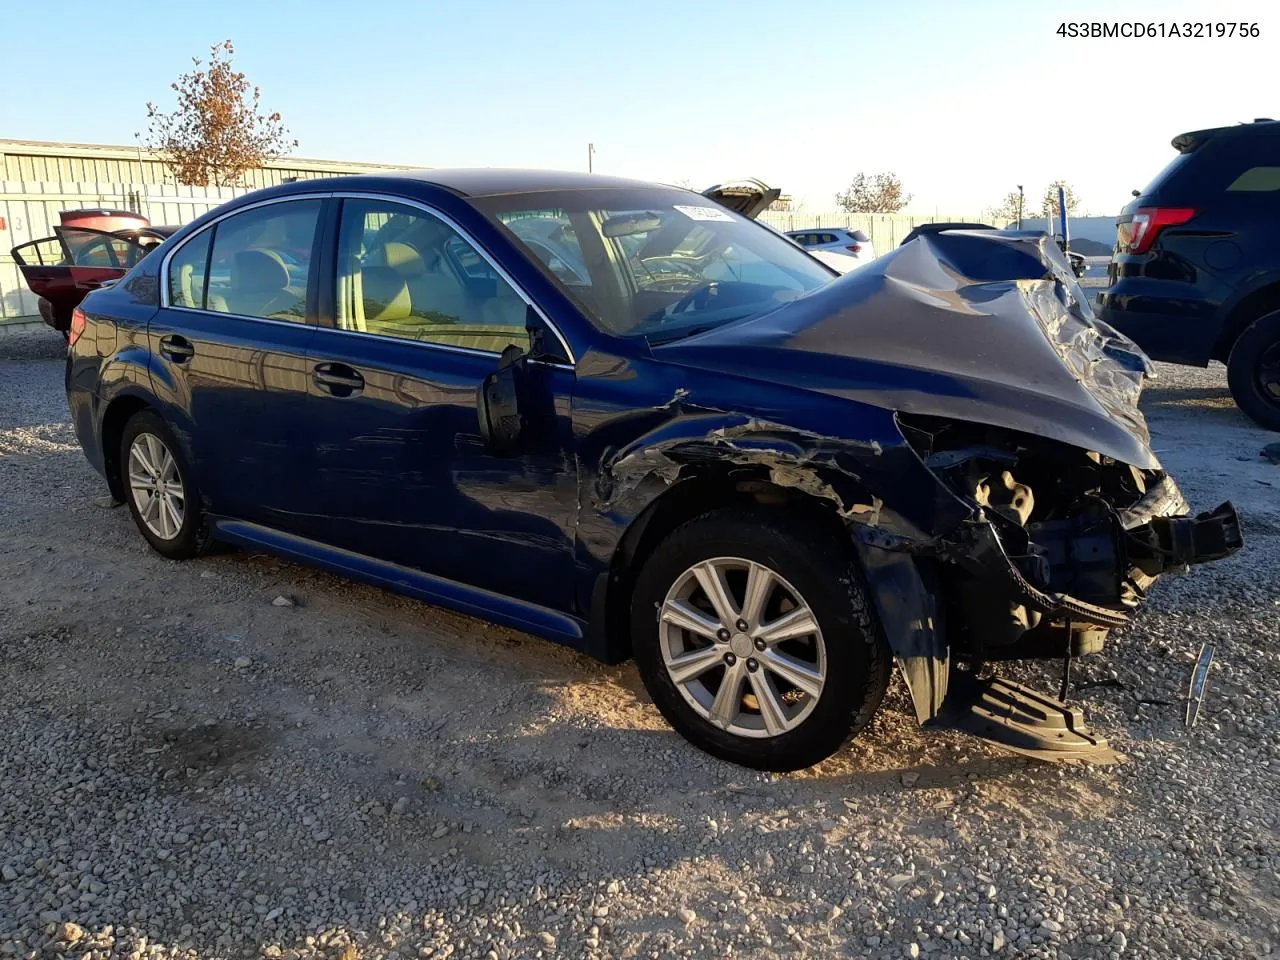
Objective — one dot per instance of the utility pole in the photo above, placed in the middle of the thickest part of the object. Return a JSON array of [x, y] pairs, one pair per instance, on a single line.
[[1019, 206], [591, 152]]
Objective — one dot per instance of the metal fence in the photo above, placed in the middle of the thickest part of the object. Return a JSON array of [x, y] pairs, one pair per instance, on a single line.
[[29, 211], [886, 230]]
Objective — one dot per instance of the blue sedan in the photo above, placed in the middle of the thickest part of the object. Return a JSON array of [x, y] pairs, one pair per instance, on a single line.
[[625, 417]]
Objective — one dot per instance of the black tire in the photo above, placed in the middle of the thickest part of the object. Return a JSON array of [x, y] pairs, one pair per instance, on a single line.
[[1256, 349], [826, 575], [192, 538]]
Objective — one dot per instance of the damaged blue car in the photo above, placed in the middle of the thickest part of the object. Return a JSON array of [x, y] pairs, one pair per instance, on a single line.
[[628, 418]]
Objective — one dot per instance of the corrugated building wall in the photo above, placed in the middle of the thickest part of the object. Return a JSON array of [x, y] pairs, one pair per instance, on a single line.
[[40, 161], [39, 179]]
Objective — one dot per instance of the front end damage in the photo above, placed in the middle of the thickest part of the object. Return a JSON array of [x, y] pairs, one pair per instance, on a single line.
[[1060, 548], [977, 430]]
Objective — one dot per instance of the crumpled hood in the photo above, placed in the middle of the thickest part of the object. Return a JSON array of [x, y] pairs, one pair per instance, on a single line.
[[983, 326]]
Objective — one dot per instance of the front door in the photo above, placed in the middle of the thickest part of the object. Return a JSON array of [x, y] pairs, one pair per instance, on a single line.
[[403, 472], [230, 351]]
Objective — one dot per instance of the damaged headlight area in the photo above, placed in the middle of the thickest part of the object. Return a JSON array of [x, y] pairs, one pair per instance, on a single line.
[[1061, 545]]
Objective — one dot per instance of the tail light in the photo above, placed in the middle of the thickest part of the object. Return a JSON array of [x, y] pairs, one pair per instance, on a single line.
[[78, 322], [1140, 233], [854, 248]]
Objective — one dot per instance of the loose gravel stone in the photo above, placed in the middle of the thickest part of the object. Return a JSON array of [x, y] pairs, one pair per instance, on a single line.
[[375, 777]]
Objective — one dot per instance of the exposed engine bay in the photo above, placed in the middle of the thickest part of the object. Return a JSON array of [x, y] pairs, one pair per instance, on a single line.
[[1086, 536], [1064, 545]]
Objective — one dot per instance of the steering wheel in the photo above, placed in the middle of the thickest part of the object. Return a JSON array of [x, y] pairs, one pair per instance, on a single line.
[[697, 297]]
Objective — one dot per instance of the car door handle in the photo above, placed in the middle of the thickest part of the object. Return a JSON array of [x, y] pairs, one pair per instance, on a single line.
[[176, 348], [337, 379]]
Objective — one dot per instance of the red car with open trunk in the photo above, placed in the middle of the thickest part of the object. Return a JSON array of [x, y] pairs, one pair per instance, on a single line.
[[88, 248]]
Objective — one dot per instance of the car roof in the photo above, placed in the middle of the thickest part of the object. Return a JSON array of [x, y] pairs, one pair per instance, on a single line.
[[495, 181], [1186, 142]]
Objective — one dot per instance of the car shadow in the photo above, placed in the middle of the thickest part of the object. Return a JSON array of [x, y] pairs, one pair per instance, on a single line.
[[1178, 396]]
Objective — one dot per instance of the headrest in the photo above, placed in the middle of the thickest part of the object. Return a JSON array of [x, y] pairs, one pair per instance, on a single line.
[[386, 295], [260, 270], [405, 260]]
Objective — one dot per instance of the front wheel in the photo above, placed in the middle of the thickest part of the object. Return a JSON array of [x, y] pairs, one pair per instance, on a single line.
[[160, 488], [755, 638], [1253, 371]]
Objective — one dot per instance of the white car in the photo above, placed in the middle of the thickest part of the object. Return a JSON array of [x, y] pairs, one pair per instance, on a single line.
[[752, 197], [837, 247]]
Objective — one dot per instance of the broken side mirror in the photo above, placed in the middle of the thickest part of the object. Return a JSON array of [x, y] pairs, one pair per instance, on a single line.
[[498, 403]]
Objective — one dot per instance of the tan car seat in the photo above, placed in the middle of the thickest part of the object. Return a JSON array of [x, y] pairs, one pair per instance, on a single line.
[[185, 274], [260, 286], [387, 306]]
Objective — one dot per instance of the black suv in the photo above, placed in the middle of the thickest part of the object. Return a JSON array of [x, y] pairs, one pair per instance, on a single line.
[[1196, 271]]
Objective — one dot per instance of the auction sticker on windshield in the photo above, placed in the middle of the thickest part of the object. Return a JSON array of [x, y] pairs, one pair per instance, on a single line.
[[704, 213]]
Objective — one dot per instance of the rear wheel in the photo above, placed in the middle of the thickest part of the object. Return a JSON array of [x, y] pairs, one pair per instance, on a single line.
[[756, 641], [1253, 371], [160, 489]]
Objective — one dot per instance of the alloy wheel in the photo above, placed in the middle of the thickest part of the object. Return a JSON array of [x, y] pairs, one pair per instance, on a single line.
[[743, 647], [1268, 372], [156, 486]]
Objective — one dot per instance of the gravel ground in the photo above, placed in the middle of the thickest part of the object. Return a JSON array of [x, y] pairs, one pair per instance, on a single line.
[[191, 767]]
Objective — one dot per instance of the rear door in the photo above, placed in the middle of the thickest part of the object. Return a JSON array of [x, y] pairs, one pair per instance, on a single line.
[[421, 317], [229, 348]]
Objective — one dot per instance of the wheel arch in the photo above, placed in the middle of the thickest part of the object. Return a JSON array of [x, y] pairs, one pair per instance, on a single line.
[[117, 414], [707, 489], [1256, 303]]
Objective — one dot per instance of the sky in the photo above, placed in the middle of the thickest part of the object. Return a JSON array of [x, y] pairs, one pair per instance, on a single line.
[[962, 100]]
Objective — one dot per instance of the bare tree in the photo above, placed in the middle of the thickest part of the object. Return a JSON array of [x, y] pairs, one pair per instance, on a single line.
[[218, 130], [873, 193], [1049, 208]]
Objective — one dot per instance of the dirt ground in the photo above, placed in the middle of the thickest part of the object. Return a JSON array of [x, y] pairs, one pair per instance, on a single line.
[[188, 768]]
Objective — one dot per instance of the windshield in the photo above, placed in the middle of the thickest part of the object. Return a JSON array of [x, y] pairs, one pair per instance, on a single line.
[[659, 263]]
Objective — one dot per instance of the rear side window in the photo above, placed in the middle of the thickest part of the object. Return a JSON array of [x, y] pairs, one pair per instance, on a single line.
[[261, 261], [49, 252], [1223, 164], [187, 270], [1257, 180]]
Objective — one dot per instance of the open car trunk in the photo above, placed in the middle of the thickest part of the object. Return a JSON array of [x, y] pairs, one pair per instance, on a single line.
[[748, 197]]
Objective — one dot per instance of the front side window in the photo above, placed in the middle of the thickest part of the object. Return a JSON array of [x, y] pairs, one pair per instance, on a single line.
[[407, 274], [655, 262], [261, 261]]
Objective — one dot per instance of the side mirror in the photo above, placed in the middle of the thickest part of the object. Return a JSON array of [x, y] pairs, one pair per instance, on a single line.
[[498, 403]]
